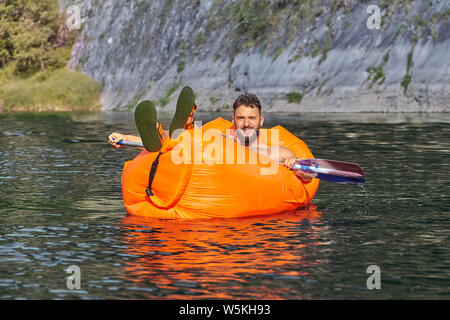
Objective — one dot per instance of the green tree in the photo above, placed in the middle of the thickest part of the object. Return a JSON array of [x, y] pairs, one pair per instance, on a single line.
[[29, 33], [9, 15]]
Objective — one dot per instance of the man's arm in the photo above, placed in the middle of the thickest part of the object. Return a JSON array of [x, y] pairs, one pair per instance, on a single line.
[[116, 137], [287, 158]]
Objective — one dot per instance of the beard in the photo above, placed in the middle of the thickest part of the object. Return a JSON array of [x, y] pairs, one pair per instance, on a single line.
[[247, 137]]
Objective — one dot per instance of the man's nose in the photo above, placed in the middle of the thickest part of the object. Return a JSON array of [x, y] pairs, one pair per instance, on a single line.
[[246, 123]]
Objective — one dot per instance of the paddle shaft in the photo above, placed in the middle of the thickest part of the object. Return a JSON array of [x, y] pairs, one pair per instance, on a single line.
[[130, 143], [327, 170]]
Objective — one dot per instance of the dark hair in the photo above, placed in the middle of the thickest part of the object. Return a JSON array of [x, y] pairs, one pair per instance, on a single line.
[[247, 99]]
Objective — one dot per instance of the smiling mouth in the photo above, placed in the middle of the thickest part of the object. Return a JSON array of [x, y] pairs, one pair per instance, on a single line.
[[247, 131]]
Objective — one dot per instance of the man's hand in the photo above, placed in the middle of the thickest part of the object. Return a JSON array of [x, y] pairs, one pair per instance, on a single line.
[[288, 162], [305, 177], [114, 138]]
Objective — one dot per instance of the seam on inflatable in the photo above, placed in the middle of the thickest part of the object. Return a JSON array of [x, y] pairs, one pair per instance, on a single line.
[[161, 204]]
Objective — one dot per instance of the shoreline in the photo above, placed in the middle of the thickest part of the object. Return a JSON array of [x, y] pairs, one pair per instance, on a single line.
[[99, 109], [271, 119], [47, 108]]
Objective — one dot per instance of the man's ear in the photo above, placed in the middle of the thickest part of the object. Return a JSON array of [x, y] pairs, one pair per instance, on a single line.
[[261, 121]]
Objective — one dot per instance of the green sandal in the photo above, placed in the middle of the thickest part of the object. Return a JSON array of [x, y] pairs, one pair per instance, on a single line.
[[185, 105], [145, 119]]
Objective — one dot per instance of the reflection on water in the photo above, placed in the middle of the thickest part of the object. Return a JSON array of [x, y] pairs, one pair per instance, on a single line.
[[212, 255], [60, 204]]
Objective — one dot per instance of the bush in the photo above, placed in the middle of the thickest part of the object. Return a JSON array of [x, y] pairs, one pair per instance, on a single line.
[[180, 66], [294, 97], [166, 99]]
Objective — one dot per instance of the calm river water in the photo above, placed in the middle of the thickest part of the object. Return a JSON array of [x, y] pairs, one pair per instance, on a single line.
[[61, 205]]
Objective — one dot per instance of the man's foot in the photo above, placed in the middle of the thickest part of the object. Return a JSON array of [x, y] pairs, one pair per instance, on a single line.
[[185, 110], [145, 119]]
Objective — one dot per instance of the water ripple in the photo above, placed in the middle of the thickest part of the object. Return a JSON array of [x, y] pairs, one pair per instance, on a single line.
[[61, 205]]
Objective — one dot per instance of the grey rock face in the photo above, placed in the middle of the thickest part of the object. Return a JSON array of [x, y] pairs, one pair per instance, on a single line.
[[142, 49]]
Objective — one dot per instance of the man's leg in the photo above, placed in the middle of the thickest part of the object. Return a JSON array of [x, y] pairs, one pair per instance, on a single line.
[[145, 119], [185, 110]]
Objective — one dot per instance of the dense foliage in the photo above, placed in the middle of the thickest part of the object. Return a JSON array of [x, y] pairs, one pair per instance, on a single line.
[[35, 46], [30, 35]]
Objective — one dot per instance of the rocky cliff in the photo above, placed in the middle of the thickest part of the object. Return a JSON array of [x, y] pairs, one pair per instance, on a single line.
[[297, 56]]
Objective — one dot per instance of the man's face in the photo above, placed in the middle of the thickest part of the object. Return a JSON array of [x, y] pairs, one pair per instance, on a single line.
[[247, 121]]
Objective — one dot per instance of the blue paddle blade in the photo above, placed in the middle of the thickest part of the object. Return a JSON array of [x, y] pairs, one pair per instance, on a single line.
[[332, 171], [130, 143]]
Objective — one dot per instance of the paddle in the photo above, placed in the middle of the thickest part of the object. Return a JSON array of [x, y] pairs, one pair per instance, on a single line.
[[130, 143], [332, 171], [326, 170]]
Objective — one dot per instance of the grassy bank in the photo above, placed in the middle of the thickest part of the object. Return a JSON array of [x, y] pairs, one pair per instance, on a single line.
[[51, 90]]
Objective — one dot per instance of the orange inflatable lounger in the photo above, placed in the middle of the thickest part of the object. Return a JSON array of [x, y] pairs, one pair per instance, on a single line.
[[205, 174]]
